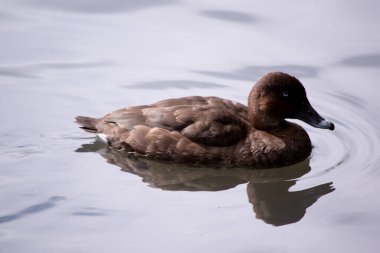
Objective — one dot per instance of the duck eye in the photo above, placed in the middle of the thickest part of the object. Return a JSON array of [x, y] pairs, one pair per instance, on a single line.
[[285, 93]]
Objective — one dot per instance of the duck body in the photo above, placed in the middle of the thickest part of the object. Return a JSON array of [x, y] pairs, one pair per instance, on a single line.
[[212, 130]]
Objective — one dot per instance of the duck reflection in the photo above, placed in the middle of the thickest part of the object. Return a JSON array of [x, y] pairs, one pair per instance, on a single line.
[[267, 189]]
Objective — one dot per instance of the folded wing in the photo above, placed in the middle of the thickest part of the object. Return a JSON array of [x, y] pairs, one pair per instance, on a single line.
[[205, 120]]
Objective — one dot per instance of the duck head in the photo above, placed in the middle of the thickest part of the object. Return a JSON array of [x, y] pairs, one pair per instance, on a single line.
[[277, 96]]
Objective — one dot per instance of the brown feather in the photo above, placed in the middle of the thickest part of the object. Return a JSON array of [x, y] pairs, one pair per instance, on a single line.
[[88, 124], [214, 130]]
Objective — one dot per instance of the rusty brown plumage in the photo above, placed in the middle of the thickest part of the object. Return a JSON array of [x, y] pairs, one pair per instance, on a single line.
[[213, 130]]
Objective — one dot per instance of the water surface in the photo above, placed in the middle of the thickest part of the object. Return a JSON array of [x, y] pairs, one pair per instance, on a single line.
[[64, 191]]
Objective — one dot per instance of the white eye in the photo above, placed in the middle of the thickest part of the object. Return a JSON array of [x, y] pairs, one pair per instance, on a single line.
[[285, 93]]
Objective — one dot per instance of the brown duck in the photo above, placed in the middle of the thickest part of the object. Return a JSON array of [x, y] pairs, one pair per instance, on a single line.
[[212, 130]]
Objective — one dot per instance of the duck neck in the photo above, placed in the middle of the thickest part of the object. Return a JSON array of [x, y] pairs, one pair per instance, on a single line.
[[258, 115], [263, 123]]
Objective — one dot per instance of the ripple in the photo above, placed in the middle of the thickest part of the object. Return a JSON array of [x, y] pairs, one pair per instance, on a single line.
[[349, 151], [367, 60], [99, 6], [40, 207], [33, 70], [252, 72], [233, 16], [173, 84]]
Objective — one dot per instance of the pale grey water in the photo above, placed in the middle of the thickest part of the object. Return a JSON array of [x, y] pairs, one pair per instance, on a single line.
[[60, 188]]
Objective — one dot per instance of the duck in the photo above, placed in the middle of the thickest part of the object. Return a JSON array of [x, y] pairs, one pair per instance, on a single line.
[[217, 131]]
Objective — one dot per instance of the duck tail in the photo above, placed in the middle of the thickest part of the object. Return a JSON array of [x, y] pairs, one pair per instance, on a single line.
[[87, 124]]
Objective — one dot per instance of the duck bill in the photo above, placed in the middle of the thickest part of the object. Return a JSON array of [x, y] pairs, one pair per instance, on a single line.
[[311, 117]]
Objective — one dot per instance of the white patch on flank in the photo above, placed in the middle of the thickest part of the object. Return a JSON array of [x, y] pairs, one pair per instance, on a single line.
[[103, 137]]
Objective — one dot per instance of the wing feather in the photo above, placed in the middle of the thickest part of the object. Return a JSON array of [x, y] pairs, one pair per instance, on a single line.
[[205, 120]]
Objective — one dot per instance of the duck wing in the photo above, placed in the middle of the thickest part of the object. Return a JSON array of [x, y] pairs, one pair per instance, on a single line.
[[210, 121]]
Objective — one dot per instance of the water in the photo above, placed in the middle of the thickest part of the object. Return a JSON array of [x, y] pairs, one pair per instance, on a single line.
[[64, 191]]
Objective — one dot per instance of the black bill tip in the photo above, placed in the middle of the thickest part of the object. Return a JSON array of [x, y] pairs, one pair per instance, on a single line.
[[326, 125]]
